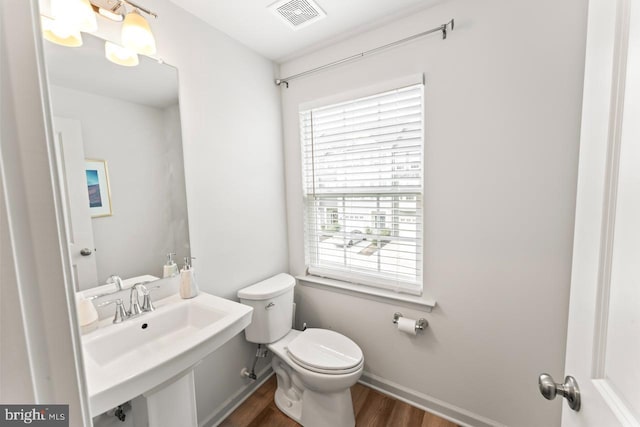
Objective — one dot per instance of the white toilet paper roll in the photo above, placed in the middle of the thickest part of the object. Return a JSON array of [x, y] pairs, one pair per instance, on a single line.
[[408, 326]]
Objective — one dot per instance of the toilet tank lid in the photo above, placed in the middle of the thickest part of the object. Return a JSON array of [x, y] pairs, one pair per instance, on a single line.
[[269, 288]]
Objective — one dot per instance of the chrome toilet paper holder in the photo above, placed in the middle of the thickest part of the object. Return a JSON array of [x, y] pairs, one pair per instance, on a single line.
[[421, 324]]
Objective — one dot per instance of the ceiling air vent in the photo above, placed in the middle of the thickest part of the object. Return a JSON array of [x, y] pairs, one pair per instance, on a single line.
[[298, 13]]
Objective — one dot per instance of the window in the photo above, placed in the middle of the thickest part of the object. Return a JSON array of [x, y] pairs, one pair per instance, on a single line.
[[362, 171]]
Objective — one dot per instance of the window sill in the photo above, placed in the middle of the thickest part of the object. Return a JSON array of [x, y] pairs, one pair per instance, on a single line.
[[389, 297]]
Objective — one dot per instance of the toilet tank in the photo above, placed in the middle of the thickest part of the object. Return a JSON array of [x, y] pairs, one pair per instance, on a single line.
[[272, 302]]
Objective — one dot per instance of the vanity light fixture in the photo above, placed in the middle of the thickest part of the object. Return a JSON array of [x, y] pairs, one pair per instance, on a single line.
[[137, 35], [120, 55], [56, 32], [69, 18]]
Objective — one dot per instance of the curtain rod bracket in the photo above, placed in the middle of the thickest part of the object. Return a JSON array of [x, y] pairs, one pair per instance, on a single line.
[[443, 28]]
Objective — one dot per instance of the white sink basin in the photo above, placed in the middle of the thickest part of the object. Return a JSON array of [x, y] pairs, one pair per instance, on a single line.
[[125, 360]]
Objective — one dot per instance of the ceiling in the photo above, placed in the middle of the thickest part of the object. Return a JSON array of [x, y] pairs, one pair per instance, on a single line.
[[254, 25]]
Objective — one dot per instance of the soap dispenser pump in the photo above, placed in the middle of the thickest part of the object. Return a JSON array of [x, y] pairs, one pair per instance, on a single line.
[[188, 285], [170, 268]]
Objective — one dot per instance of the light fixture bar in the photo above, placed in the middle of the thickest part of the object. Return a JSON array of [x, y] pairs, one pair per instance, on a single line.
[[140, 8], [118, 5], [109, 13]]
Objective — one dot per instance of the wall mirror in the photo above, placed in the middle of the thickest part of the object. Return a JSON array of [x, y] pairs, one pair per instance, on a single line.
[[119, 147]]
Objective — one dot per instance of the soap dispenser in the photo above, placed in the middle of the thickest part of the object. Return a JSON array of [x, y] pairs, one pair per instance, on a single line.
[[188, 285], [170, 268], [87, 313]]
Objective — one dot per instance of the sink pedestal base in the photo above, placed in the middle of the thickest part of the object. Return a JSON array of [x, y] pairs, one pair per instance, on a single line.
[[173, 404]]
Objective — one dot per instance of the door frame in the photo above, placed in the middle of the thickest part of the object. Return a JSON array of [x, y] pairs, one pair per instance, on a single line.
[[36, 230]]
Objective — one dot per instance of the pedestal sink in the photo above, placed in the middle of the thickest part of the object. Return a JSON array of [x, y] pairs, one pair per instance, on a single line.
[[154, 355]]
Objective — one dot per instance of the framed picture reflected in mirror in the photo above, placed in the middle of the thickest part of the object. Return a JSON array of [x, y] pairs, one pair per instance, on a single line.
[[98, 188]]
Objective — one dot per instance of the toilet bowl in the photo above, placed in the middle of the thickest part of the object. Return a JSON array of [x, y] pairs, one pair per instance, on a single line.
[[315, 368], [313, 386]]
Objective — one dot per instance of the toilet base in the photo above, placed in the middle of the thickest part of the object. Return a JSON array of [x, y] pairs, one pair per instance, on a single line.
[[308, 407], [320, 409], [292, 408]]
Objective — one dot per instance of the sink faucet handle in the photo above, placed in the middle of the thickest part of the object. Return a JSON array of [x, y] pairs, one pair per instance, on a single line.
[[147, 305], [121, 313]]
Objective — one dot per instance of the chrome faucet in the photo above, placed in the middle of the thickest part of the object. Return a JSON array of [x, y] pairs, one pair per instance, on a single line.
[[134, 301], [135, 309], [134, 306]]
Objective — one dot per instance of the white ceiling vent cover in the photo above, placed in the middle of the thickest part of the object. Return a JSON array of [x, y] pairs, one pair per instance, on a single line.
[[298, 13]]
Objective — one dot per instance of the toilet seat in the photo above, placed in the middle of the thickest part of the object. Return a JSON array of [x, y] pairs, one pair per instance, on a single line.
[[325, 351]]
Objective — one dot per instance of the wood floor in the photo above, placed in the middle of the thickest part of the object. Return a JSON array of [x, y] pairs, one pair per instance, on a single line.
[[372, 409]]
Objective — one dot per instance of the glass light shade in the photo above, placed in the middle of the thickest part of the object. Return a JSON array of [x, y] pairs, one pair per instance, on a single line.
[[86, 18], [76, 14], [120, 55], [59, 33], [137, 35]]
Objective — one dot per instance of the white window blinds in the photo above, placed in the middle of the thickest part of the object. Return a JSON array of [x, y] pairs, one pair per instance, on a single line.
[[362, 171]]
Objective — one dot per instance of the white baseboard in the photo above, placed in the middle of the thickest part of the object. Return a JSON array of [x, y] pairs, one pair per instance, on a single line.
[[427, 403], [223, 411], [422, 401]]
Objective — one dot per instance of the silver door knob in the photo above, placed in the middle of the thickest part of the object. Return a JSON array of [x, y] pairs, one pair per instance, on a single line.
[[85, 251], [569, 390]]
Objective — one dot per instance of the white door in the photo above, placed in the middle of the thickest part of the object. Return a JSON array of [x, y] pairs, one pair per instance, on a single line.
[[70, 152], [603, 344]]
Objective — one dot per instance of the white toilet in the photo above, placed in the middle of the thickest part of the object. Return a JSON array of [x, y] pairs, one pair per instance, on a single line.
[[315, 368]]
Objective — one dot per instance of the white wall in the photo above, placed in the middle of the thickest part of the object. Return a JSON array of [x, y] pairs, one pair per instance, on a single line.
[[503, 103], [143, 149], [15, 384], [233, 152], [232, 143]]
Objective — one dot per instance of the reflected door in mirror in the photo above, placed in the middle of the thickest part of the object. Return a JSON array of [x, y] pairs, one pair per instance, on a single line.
[[70, 152]]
